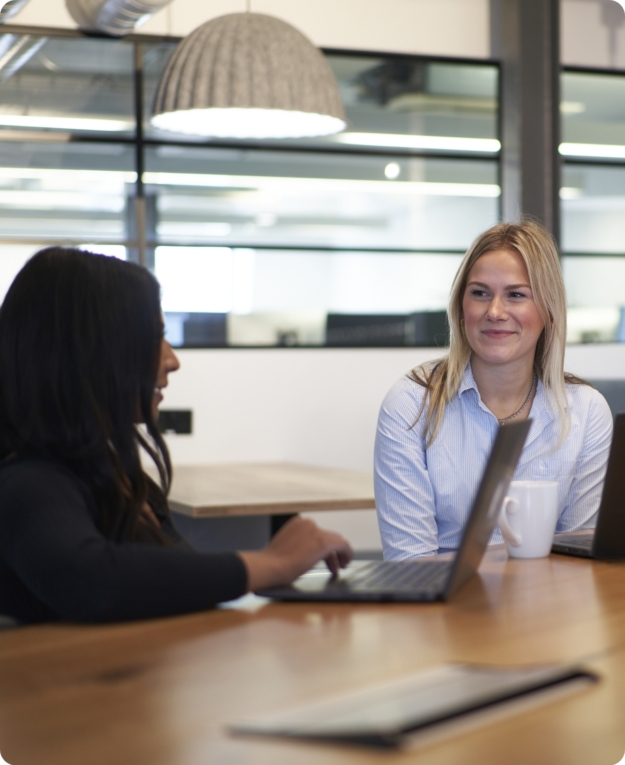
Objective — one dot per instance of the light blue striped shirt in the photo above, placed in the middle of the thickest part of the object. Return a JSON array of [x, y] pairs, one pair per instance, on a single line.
[[423, 497]]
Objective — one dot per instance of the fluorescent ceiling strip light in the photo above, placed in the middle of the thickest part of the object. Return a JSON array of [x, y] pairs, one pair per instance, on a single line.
[[598, 150], [53, 200], [63, 176], [66, 123], [570, 192], [317, 185], [431, 142]]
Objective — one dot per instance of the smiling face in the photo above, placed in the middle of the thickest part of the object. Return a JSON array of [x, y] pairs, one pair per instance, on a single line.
[[168, 363], [501, 320]]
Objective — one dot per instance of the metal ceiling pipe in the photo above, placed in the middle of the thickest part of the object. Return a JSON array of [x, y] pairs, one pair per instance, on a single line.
[[10, 8], [114, 17]]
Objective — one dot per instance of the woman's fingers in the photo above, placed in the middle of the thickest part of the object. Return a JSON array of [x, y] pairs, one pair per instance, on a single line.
[[332, 562], [298, 545]]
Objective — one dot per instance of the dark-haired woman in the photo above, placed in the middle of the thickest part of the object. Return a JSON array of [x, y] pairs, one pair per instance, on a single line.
[[84, 534]]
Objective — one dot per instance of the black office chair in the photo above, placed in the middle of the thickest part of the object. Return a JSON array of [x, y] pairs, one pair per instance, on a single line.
[[613, 391]]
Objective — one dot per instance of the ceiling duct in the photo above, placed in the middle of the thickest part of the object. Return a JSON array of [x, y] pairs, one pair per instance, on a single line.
[[10, 8], [115, 17]]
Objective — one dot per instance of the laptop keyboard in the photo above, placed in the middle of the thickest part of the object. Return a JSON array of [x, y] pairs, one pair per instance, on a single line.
[[574, 540], [400, 576]]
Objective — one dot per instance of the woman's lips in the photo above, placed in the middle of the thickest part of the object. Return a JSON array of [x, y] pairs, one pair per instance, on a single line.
[[496, 334]]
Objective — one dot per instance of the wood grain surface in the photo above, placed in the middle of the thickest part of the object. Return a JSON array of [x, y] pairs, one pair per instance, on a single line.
[[271, 488], [162, 692]]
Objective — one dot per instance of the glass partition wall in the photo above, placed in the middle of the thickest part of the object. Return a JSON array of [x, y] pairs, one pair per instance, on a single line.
[[347, 240], [593, 204]]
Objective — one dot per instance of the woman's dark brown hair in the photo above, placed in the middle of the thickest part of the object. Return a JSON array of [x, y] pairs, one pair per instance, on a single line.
[[80, 341]]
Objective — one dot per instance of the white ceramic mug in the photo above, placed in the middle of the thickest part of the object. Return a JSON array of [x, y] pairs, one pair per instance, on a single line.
[[528, 518]]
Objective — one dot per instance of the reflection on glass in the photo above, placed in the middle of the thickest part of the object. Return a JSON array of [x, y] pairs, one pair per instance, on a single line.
[[223, 196], [155, 58], [401, 96], [67, 84], [595, 289], [593, 209], [593, 115], [76, 192]]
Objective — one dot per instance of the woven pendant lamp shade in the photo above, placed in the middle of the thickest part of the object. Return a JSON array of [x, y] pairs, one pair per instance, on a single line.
[[248, 75]]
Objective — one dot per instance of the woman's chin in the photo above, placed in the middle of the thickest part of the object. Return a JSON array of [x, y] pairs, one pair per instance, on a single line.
[[156, 401]]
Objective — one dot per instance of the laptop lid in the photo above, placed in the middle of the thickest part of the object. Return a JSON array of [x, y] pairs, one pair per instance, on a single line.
[[609, 538], [482, 520]]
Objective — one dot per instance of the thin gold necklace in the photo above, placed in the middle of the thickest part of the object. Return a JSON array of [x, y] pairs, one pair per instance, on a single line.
[[524, 404]]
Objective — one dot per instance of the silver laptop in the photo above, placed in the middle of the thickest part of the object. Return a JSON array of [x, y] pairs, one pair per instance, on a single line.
[[422, 579], [607, 540]]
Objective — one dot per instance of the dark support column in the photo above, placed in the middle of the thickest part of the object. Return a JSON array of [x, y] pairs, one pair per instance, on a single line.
[[141, 222], [525, 37]]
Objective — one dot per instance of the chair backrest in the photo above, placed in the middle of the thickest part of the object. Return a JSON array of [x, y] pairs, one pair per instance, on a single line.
[[614, 392]]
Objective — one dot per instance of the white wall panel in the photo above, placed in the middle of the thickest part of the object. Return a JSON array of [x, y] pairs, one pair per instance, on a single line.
[[443, 27]]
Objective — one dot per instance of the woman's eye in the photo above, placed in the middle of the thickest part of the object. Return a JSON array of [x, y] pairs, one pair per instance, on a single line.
[[478, 293], [517, 295]]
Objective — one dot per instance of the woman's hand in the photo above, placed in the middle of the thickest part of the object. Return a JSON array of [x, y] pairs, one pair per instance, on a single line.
[[298, 545]]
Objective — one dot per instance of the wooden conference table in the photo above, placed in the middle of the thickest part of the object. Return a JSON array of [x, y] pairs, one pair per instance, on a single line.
[[267, 488], [237, 506], [162, 692]]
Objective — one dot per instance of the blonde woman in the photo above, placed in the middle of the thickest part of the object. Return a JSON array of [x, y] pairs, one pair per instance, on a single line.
[[507, 316]]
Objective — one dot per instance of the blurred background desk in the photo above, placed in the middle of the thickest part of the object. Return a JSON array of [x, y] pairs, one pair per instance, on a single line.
[[163, 692], [226, 506]]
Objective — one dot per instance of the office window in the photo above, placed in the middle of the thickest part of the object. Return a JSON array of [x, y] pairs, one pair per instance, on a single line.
[[300, 237], [344, 240], [75, 85], [593, 204]]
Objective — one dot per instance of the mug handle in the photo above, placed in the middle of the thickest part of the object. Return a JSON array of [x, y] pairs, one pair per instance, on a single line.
[[510, 505]]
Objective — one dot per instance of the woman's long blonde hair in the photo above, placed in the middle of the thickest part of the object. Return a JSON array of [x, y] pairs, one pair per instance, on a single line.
[[540, 255]]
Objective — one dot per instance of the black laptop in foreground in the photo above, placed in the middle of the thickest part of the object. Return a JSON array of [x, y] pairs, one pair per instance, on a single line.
[[422, 579], [607, 540]]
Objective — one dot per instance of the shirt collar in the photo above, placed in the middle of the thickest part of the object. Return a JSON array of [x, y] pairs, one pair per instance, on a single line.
[[542, 412], [468, 381]]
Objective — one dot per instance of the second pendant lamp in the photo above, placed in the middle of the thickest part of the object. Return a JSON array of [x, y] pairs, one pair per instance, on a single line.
[[248, 75]]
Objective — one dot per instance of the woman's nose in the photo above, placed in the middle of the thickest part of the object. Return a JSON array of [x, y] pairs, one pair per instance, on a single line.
[[496, 309], [171, 360]]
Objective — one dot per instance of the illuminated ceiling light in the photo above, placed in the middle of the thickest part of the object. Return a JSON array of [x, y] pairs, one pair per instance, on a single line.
[[65, 123], [266, 219], [572, 107], [392, 171], [428, 142], [600, 150], [292, 186], [115, 17], [570, 192], [248, 75], [56, 178]]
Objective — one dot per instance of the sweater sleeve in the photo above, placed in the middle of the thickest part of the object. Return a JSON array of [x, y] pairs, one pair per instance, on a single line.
[[49, 540]]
